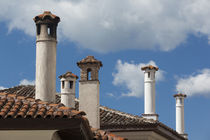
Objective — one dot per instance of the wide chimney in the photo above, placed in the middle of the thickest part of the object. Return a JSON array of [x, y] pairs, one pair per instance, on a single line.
[[68, 82], [149, 92], [89, 89], [180, 113], [46, 26]]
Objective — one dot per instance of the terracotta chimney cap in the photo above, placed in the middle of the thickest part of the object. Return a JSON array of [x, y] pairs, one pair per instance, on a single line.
[[150, 67], [89, 59], [47, 15], [180, 95], [68, 74]]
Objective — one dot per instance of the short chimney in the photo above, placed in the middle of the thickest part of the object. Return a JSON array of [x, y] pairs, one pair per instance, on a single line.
[[180, 113], [89, 89], [68, 82], [149, 92], [46, 26]]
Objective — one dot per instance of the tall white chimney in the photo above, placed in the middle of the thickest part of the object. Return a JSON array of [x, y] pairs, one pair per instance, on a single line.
[[149, 92], [68, 82], [89, 89], [46, 26], [180, 113]]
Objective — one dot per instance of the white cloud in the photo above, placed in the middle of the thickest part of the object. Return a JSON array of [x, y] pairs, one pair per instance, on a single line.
[[195, 84], [27, 82], [110, 94], [1, 87], [112, 25], [130, 76]]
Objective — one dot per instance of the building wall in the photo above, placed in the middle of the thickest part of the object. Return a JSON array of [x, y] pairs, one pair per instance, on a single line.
[[140, 135], [46, 70], [26, 134], [89, 101]]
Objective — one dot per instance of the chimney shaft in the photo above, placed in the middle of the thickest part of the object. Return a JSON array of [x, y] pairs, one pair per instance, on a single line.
[[180, 113], [46, 41], [149, 92], [89, 89], [68, 82]]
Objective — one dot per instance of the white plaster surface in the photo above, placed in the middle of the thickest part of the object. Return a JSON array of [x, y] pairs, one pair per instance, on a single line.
[[26, 134], [67, 93], [180, 115], [89, 101], [140, 135], [45, 66], [149, 92]]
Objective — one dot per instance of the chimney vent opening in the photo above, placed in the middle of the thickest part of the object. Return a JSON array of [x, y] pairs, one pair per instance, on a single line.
[[89, 74], [63, 84], [38, 29], [70, 84]]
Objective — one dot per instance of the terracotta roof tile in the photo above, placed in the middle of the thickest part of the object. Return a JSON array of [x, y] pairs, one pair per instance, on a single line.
[[14, 106], [150, 67], [109, 118]]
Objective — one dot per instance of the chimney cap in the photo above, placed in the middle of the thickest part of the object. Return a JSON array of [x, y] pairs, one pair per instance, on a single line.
[[47, 15], [180, 95], [90, 60], [150, 67], [68, 74]]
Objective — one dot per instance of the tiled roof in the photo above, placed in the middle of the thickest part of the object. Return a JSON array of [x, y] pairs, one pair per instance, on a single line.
[[150, 67], [68, 74], [110, 119], [14, 106], [45, 15], [89, 59], [180, 95]]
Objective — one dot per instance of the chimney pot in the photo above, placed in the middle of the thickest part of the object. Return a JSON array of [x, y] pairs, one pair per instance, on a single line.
[[46, 41], [149, 92]]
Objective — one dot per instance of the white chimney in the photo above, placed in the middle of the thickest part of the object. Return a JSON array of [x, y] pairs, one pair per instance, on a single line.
[[149, 92], [46, 26], [89, 89], [180, 113], [68, 82]]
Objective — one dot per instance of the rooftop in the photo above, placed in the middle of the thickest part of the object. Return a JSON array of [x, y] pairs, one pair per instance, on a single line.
[[110, 119], [15, 106]]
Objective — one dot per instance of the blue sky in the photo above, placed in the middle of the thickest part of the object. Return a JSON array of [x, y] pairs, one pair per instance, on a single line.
[[124, 35]]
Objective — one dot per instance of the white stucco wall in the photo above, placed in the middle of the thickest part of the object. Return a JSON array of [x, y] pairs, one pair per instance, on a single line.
[[45, 66], [26, 134], [45, 70], [149, 94], [140, 135], [68, 99], [89, 101], [67, 93], [149, 97], [180, 115]]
